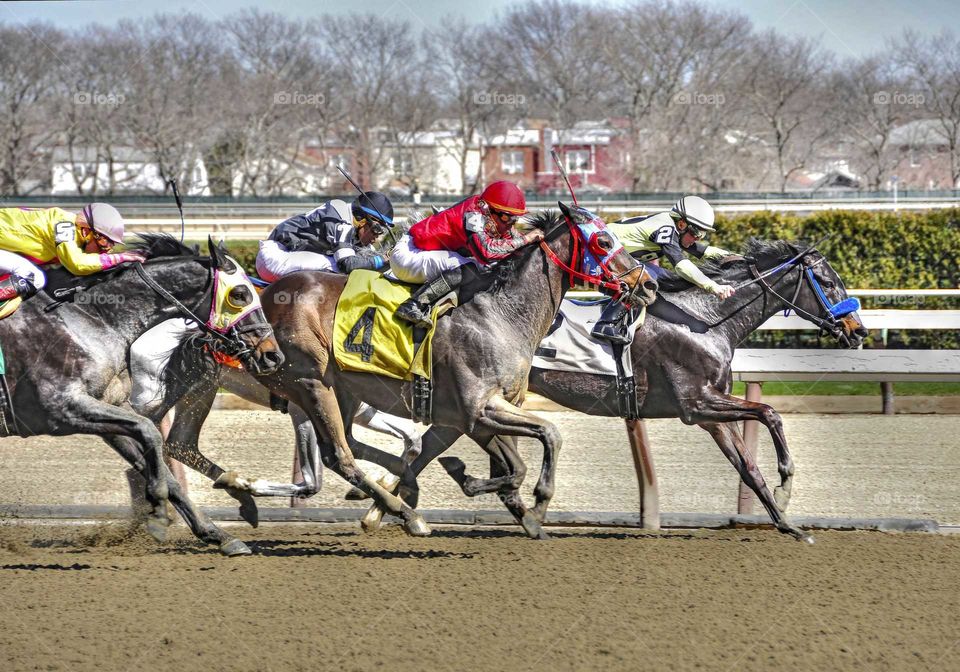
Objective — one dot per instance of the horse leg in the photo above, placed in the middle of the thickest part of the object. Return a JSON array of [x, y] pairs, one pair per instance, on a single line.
[[501, 417], [201, 526], [719, 407], [435, 442], [505, 460], [183, 443], [320, 403], [402, 428], [731, 444]]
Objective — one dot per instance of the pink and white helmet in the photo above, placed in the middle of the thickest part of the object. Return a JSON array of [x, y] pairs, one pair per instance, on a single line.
[[105, 220]]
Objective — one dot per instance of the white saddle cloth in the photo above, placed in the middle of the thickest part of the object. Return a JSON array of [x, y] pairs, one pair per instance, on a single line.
[[570, 347]]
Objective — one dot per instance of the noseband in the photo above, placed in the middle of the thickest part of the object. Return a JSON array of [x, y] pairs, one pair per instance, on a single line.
[[227, 343]]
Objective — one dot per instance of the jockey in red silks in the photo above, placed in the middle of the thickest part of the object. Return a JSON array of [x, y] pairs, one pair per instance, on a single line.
[[478, 230]]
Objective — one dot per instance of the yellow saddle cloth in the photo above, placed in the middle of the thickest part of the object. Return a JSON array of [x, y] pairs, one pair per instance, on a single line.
[[366, 336], [9, 307]]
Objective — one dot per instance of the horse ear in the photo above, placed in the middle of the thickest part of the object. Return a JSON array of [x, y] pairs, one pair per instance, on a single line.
[[216, 254], [565, 210]]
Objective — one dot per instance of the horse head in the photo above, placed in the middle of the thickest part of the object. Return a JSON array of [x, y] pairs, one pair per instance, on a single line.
[[237, 314], [600, 260], [827, 297]]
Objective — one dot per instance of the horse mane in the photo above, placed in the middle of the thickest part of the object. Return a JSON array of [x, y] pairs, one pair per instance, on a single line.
[[188, 362], [766, 254], [156, 245]]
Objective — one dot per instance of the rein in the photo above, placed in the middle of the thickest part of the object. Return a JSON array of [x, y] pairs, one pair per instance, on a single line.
[[575, 274], [232, 346]]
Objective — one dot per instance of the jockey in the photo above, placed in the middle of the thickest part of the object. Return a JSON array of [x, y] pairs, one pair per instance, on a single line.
[[479, 230], [328, 238], [82, 243], [669, 234]]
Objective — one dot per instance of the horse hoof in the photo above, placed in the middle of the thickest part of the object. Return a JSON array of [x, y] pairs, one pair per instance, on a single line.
[[807, 538], [235, 548], [157, 528], [533, 528], [416, 526], [355, 495], [372, 519], [231, 480], [539, 512]]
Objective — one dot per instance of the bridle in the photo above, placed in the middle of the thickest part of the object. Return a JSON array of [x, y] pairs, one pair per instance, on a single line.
[[224, 344], [607, 279], [829, 322]]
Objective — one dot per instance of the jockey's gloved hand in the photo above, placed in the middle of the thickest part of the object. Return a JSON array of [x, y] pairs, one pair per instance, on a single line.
[[722, 291], [533, 236], [115, 259]]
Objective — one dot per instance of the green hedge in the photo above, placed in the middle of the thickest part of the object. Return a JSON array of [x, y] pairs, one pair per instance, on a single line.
[[868, 249]]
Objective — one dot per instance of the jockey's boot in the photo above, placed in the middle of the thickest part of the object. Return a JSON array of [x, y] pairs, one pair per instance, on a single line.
[[612, 325], [15, 286], [418, 307]]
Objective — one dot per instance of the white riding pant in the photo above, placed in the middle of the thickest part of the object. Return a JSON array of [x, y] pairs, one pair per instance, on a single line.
[[10, 262], [411, 264], [275, 261], [149, 356]]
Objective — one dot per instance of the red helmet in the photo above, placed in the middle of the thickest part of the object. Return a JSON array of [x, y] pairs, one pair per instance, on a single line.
[[505, 197]]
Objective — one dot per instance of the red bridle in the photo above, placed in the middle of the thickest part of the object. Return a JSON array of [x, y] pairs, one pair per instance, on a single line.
[[609, 280]]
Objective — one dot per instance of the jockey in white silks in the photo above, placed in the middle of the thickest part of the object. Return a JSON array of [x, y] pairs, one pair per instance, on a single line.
[[334, 237]]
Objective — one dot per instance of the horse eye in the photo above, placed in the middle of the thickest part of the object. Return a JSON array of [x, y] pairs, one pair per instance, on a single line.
[[240, 296], [605, 241]]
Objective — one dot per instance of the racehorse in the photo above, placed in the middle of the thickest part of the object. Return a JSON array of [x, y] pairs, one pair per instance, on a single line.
[[481, 357], [686, 375], [71, 377]]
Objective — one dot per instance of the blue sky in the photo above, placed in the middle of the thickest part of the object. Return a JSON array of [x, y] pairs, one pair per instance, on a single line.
[[849, 27]]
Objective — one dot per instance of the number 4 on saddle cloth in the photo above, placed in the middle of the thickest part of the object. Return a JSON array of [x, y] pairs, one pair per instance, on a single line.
[[367, 338]]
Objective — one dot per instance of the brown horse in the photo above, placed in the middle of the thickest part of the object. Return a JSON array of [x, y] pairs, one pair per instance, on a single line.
[[482, 352]]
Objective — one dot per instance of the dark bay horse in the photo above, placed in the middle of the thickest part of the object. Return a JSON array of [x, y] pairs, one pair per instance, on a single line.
[[481, 359], [67, 358], [686, 375]]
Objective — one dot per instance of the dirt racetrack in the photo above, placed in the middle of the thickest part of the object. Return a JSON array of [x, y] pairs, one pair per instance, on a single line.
[[330, 598]]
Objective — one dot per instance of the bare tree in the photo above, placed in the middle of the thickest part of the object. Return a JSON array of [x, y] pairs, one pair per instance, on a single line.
[[786, 101], [933, 66], [28, 93]]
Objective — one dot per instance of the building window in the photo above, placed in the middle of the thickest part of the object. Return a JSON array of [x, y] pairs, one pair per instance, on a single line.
[[578, 161], [914, 158], [511, 163], [402, 165]]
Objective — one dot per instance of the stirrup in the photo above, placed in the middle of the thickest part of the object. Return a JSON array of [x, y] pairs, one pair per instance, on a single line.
[[613, 333], [411, 311]]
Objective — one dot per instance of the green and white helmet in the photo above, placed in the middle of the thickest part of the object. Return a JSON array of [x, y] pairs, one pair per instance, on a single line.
[[696, 212]]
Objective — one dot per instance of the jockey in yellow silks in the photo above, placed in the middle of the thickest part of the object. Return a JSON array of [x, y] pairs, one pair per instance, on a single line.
[[81, 242]]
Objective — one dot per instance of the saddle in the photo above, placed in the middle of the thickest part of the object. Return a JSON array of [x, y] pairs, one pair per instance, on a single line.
[[569, 346]]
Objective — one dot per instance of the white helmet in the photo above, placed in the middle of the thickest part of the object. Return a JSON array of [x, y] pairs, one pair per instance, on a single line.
[[105, 220], [695, 211]]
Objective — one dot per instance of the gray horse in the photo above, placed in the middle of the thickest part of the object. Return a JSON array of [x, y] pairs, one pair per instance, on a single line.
[[67, 360], [481, 359], [684, 374]]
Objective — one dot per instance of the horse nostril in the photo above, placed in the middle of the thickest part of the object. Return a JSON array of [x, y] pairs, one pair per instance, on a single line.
[[651, 286], [273, 358]]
